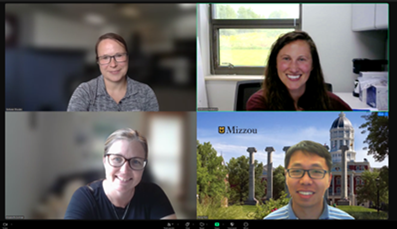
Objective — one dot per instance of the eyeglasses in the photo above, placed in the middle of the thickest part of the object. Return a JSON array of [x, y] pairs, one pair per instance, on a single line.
[[313, 173], [119, 58], [136, 163]]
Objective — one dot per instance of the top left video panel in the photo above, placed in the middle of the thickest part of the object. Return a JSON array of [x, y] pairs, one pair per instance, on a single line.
[[100, 57]]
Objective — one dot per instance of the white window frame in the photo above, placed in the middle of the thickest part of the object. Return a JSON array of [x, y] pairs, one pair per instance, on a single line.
[[217, 24]]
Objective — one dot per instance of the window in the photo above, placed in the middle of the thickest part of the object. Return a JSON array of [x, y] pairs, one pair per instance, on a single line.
[[242, 34]]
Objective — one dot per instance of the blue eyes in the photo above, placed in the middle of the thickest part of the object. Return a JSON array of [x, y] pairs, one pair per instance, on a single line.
[[136, 162]]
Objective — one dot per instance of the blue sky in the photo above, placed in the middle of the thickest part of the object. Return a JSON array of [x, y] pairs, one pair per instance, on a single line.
[[276, 129]]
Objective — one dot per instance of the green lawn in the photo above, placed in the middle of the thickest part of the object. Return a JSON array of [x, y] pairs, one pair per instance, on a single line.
[[217, 212], [359, 212], [247, 211], [244, 57], [248, 208]]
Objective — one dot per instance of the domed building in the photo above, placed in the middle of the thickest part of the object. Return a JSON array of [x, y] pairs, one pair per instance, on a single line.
[[342, 134]]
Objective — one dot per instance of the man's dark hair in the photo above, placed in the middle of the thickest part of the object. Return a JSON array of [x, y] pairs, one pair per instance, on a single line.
[[309, 147]]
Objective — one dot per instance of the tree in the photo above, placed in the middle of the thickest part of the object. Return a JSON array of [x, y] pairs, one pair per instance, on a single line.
[[239, 179], [278, 14], [211, 172], [278, 182], [271, 205], [225, 12], [378, 137], [260, 186], [246, 13], [384, 184], [368, 191]]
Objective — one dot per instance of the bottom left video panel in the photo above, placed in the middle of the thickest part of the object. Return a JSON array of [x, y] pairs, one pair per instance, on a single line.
[[49, 156]]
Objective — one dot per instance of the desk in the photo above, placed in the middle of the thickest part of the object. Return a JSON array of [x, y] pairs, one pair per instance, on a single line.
[[354, 102]]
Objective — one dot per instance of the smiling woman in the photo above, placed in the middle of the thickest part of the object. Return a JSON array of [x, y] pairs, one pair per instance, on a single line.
[[294, 79], [121, 195], [113, 90]]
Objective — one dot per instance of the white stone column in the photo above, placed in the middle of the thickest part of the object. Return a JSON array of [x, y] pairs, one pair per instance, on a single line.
[[353, 199], [269, 193], [344, 194], [251, 189], [285, 149], [326, 191]]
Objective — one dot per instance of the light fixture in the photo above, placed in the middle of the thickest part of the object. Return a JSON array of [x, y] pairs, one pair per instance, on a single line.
[[187, 6], [94, 19], [129, 11]]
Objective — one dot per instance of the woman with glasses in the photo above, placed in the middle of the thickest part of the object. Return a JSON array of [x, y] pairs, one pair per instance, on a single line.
[[121, 195], [113, 90]]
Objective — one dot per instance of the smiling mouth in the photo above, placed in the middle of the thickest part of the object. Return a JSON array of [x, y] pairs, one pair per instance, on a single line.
[[305, 193], [294, 77], [123, 180]]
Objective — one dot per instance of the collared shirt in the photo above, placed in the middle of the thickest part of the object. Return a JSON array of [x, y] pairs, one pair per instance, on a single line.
[[329, 212], [92, 96]]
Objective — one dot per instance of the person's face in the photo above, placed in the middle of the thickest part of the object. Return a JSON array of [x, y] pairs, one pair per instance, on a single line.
[[294, 64], [124, 178], [307, 193], [114, 71]]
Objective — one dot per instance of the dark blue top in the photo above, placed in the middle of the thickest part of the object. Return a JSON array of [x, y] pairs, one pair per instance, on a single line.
[[148, 202]]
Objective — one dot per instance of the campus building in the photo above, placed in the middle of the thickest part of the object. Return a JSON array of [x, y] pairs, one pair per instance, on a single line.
[[342, 133]]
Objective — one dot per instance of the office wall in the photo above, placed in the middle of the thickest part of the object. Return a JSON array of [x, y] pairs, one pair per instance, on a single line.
[[330, 27]]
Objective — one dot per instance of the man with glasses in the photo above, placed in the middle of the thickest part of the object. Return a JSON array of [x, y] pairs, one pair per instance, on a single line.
[[113, 90], [308, 177]]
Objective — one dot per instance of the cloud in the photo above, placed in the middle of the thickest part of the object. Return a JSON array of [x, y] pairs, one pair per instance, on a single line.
[[361, 154]]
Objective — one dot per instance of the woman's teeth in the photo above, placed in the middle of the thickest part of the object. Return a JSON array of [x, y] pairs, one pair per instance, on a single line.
[[293, 77], [123, 179]]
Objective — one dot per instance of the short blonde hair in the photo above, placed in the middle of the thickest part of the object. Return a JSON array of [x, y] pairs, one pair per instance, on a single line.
[[126, 134]]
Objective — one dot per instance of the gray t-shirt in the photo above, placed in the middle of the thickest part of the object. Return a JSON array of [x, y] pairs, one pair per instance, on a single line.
[[92, 96]]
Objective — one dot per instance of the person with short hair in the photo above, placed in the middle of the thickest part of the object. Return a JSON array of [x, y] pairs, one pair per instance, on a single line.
[[294, 79], [121, 195], [308, 176], [113, 90]]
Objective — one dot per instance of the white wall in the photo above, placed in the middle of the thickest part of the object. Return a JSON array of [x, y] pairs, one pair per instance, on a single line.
[[20, 160], [203, 67], [51, 31], [43, 29], [330, 27], [221, 94], [203, 33]]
